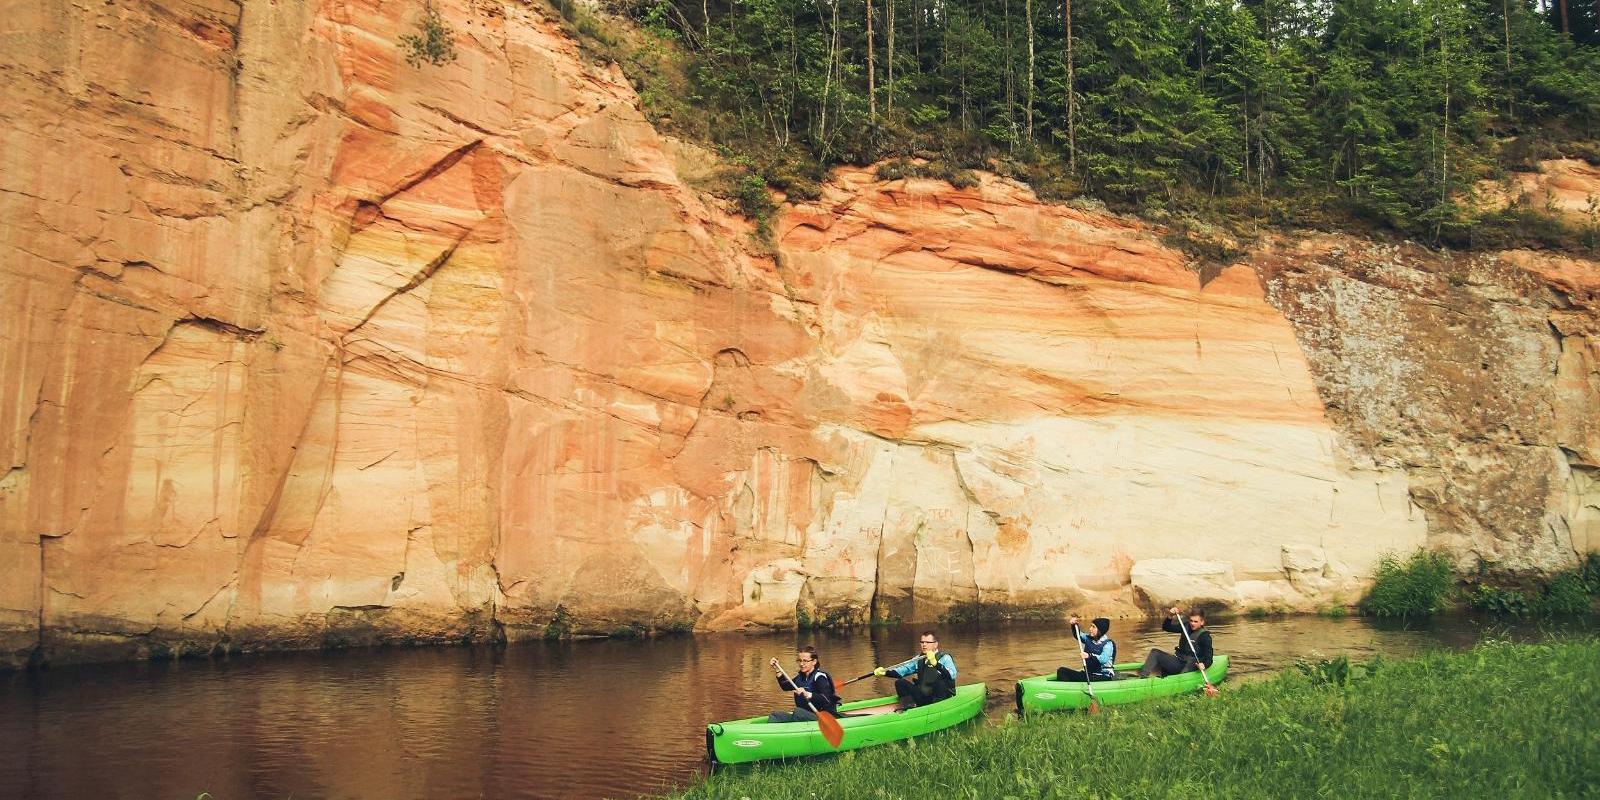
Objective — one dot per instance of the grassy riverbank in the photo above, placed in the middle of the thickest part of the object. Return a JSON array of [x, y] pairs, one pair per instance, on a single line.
[[1501, 720]]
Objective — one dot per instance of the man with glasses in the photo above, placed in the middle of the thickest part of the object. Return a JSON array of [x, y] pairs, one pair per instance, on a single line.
[[927, 678], [811, 687]]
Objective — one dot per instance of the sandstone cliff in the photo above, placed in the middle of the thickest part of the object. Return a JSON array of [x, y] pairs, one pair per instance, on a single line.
[[304, 345]]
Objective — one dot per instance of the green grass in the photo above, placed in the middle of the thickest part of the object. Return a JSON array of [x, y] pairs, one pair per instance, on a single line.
[[1572, 592], [1502, 720], [1415, 587]]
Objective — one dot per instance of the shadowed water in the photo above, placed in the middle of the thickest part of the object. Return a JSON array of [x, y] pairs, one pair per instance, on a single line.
[[539, 720]]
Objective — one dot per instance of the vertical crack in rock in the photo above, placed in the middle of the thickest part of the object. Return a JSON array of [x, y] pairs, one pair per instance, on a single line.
[[883, 531], [38, 649], [270, 511], [333, 450], [235, 25], [966, 524]]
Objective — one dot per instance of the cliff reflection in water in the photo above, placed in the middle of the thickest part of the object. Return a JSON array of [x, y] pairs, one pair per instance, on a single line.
[[568, 720]]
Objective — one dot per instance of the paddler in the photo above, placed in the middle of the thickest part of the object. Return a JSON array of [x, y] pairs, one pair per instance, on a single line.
[[811, 687], [926, 679]]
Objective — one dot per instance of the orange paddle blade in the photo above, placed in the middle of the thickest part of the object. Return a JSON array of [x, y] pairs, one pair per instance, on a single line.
[[831, 730], [1094, 706], [1211, 691]]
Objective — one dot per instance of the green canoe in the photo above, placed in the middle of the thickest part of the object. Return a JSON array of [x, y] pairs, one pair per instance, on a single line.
[[1045, 693], [865, 723]]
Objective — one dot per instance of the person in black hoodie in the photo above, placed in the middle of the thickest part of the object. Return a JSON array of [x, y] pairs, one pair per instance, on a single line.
[[1161, 664], [811, 687], [1097, 651]]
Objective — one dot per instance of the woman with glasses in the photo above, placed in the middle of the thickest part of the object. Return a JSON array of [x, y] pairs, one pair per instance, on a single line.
[[928, 678], [811, 687]]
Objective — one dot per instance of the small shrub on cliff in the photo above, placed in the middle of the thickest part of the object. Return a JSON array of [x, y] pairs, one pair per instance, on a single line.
[[1521, 224], [1566, 594], [1570, 592], [560, 625], [756, 203], [944, 170], [892, 170], [632, 630], [433, 43], [1495, 600], [1415, 587], [1589, 573]]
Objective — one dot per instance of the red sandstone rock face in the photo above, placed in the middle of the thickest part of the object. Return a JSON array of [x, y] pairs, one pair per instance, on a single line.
[[305, 345]]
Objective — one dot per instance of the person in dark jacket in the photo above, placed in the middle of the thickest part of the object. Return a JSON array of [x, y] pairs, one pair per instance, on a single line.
[[926, 679], [1097, 651], [1181, 659], [811, 687]]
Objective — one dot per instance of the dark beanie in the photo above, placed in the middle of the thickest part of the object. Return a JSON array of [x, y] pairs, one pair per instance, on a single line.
[[1103, 624]]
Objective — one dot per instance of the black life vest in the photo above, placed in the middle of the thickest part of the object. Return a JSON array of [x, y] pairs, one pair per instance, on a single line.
[[934, 678]]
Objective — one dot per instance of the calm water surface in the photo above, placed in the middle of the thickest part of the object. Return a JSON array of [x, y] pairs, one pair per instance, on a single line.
[[540, 720]]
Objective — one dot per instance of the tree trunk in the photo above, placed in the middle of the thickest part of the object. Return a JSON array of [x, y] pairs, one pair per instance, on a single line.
[[1505, 18], [838, 66], [1244, 122], [1566, 27], [872, 70], [1444, 148], [891, 55], [1011, 72], [1027, 11], [1072, 97], [827, 81]]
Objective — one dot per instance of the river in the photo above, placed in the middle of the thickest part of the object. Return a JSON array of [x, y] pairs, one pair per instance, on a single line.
[[586, 719]]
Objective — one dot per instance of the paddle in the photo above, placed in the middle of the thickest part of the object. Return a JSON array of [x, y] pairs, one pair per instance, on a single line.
[[1211, 691], [831, 731], [1094, 702], [857, 678]]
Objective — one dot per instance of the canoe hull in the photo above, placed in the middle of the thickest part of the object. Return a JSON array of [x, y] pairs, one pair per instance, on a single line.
[[1045, 693], [755, 739]]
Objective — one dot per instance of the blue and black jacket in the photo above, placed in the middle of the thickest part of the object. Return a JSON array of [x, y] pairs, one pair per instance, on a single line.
[[819, 685], [938, 678], [911, 667], [1102, 656]]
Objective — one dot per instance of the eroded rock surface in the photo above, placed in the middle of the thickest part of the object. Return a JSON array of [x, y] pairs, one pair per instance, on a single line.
[[1475, 376], [305, 345]]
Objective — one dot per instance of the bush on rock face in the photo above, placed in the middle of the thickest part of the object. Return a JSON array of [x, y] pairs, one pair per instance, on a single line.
[[1415, 587], [433, 43], [1570, 592]]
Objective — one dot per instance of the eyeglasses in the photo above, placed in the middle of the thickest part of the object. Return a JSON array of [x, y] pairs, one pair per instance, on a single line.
[[930, 641], [805, 660]]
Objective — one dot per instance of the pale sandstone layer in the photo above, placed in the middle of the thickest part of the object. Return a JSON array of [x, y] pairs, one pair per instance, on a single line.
[[1564, 186], [305, 346]]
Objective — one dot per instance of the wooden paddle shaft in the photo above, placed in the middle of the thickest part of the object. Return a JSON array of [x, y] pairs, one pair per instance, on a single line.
[[1087, 684]]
